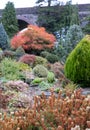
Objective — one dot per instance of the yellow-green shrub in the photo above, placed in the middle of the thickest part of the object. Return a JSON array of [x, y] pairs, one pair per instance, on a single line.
[[10, 69], [77, 66]]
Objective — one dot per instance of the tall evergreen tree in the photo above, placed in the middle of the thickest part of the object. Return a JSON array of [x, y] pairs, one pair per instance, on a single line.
[[75, 15], [70, 15], [9, 19], [3, 38]]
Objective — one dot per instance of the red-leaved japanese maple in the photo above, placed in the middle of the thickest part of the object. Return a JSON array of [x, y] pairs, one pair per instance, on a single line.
[[33, 37]]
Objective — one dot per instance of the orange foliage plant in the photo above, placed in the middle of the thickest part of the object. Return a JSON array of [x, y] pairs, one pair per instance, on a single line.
[[33, 37]]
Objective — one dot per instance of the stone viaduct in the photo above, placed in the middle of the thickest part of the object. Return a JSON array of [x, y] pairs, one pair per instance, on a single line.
[[29, 15]]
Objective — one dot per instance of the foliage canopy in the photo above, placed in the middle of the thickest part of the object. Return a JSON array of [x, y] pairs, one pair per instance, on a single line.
[[33, 38]]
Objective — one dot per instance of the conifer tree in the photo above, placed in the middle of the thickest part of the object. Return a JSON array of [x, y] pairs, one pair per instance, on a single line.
[[9, 19], [3, 38]]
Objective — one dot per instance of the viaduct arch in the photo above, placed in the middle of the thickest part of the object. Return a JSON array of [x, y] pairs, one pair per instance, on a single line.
[[26, 16]]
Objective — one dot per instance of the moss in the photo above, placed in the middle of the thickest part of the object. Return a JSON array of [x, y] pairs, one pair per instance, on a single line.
[[77, 66]]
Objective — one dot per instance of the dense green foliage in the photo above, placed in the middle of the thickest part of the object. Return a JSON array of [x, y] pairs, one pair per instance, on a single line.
[[70, 15], [10, 69], [40, 60], [3, 38], [50, 18], [73, 36], [56, 17], [40, 70], [86, 29], [68, 43], [50, 77], [52, 58], [44, 54], [36, 81], [77, 66], [19, 52], [9, 19]]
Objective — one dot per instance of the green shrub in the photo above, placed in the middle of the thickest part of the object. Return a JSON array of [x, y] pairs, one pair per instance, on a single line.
[[10, 69], [50, 77], [24, 67], [68, 42], [19, 52], [73, 36], [77, 66], [45, 85], [44, 54], [3, 38], [52, 58], [40, 70], [40, 60], [36, 81]]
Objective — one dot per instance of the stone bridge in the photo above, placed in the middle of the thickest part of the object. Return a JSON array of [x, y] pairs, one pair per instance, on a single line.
[[27, 16]]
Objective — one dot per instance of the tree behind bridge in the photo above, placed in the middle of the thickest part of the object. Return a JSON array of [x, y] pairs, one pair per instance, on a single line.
[[56, 17], [49, 2]]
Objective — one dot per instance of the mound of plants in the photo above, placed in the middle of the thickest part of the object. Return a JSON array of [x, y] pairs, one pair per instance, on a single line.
[[36, 81], [10, 70], [77, 66], [40, 60], [28, 59], [40, 71], [44, 54], [52, 58], [18, 85], [19, 52], [4, 100], [51, 77], [58, 69], [53, 113]]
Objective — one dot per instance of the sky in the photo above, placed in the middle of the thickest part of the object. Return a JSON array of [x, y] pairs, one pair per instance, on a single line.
[[31, 3]]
